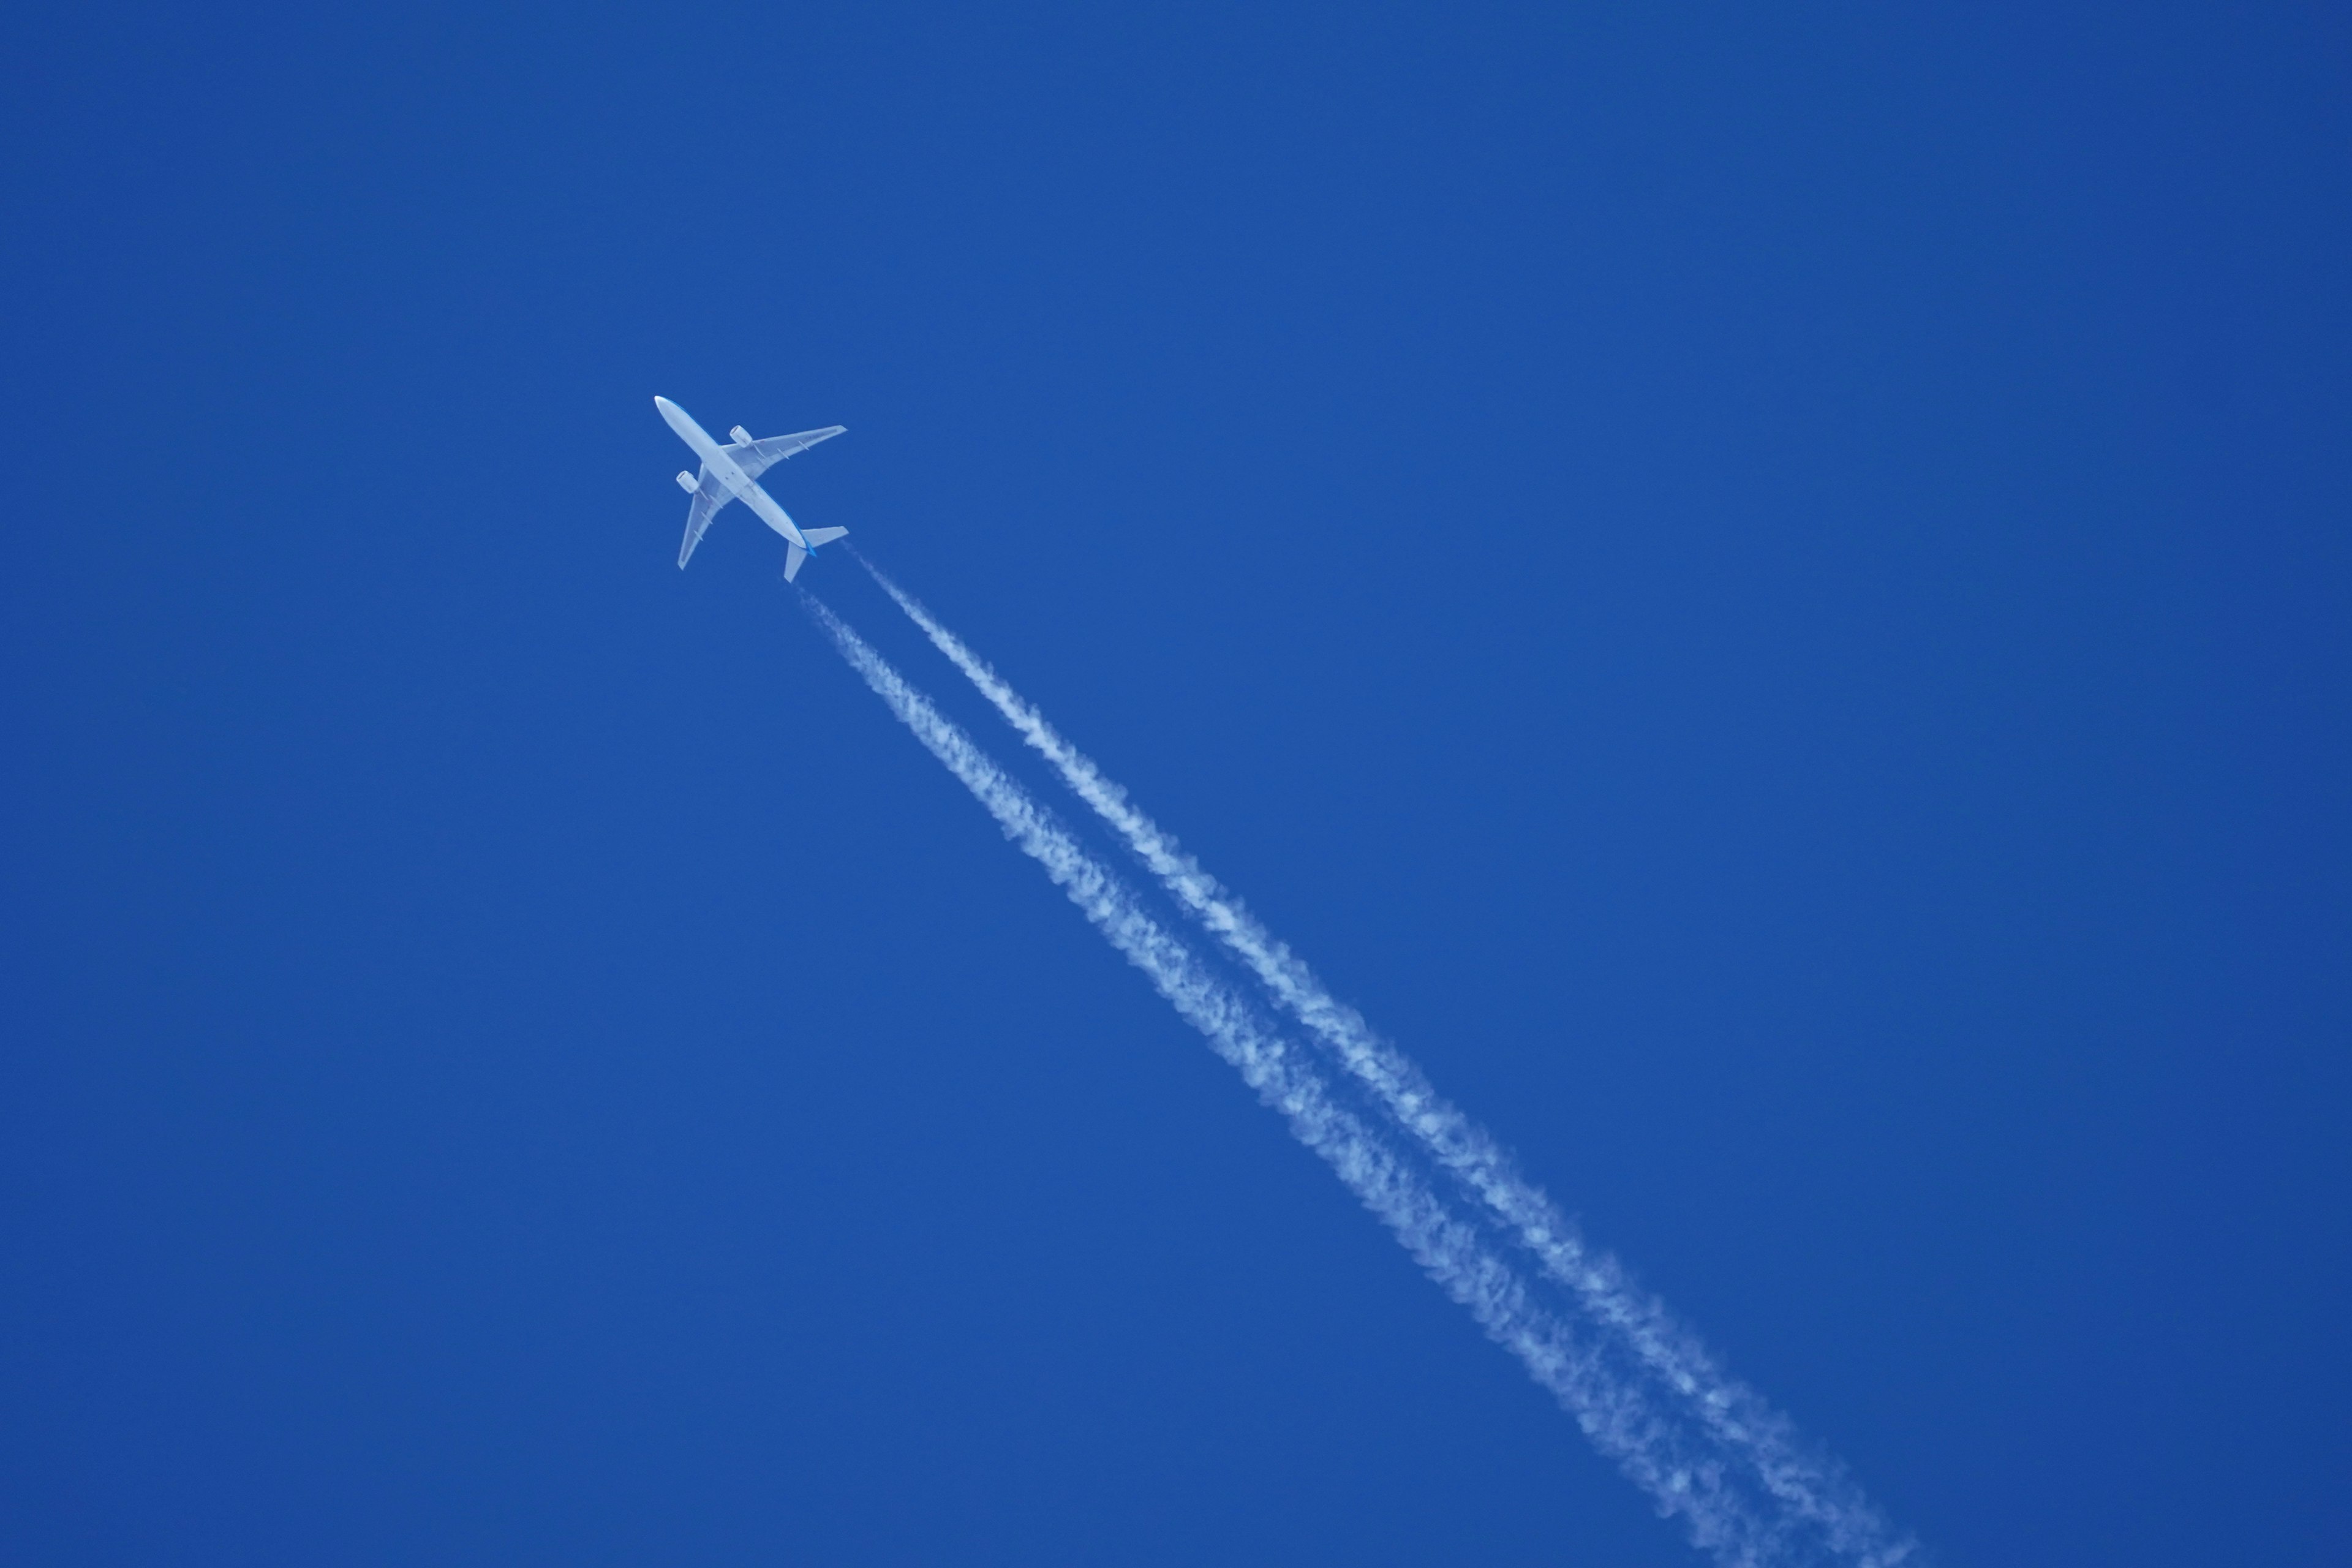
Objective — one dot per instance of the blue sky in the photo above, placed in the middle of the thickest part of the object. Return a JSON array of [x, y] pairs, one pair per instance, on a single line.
[[1767, 593]]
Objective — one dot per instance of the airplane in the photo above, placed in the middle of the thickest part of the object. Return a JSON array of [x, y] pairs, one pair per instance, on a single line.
[[733, 471]]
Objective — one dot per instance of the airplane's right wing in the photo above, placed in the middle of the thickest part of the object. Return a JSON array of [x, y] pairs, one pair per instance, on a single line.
[[756, 457], [709, 497]]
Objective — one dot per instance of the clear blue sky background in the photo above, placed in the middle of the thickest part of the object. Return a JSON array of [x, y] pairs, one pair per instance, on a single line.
[[1766, 588]]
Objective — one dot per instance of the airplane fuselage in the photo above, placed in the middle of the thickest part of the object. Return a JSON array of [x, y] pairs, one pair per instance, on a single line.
[[741, 486]]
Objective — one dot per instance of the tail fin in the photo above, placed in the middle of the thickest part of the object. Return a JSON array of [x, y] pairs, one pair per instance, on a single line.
[[794, 554]]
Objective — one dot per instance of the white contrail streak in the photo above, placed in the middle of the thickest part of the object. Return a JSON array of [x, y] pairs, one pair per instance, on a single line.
[[1720, 1508], [1806, 1485]]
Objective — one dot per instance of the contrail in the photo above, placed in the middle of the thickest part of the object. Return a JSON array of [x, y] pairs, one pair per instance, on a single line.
[[1803, 1483], [1720, 1508]]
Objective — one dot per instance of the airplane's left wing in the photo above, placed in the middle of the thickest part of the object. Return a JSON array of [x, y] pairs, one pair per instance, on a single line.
[[756, 457], [709, 495]]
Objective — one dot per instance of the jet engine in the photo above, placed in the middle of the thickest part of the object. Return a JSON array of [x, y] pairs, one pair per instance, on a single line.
[[740, 435], [686, 482]]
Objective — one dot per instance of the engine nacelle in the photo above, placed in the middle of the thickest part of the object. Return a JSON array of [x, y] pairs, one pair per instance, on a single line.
[[686, 482], [740, 436]]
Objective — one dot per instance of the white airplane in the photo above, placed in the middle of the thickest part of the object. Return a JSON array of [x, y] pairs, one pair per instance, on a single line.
[[733, 471]]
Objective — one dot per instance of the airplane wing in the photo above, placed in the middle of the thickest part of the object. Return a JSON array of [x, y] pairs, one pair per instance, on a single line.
[[756, 457], [709, 497]]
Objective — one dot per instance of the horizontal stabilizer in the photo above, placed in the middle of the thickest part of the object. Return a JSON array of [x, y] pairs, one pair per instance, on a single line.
[[816, 536], [793, 556]]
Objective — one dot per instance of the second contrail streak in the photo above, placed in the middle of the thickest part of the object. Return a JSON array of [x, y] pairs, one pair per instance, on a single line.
[[1738, 1422], [1719, 1507]]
